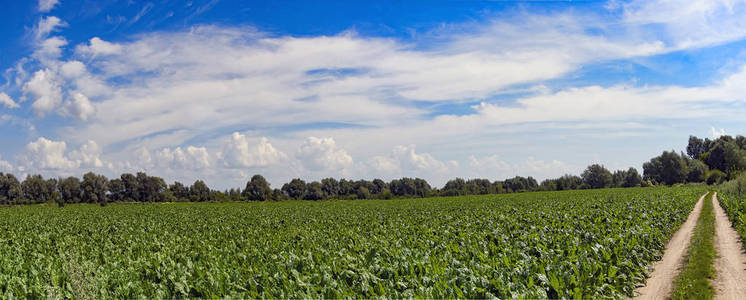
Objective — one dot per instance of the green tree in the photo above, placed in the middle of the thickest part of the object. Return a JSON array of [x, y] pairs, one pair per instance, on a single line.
[[69, 189], [632, 179], [10, 189], [313, 191], [597, 176], [179, 191], [257, 189], [38, 190], [295, 189], [93, 188], [199, 192], [116, 190]]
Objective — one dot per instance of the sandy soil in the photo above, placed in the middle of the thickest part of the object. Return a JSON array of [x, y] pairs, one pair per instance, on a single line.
[[730, 265], [660, 283]]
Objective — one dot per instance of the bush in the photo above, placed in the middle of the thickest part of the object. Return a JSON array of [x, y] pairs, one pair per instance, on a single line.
[[715, 176]]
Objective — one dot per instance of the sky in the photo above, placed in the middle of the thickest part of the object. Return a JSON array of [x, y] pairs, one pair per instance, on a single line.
[[220, 90]]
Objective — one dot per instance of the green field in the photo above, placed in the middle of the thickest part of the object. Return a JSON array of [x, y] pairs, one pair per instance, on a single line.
[[589, 243]]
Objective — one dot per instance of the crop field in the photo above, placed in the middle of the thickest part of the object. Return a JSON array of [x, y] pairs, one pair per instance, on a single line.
[[593, 243], [734, 205]]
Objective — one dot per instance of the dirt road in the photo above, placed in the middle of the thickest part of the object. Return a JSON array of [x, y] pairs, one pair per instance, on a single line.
[[730, 265], [660, 283]]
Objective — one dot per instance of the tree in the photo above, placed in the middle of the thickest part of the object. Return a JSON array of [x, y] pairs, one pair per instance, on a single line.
[[378, 186], [697, 171], [715, 177], [330, 187], [633, 178], [131, 188], [668, 168], [38, 190], [93, 188], [179, 191], [454, 187], [10, 189], [295, 189], [199, 192], [617, 178], [150, 188], [363, 193], [116, 190], [69, 189], [257, 189], [597, 176], [696, 147], [313, 192]]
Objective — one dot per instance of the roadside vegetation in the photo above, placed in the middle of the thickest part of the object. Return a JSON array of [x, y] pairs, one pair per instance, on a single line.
[[732, 198], [693, 282]]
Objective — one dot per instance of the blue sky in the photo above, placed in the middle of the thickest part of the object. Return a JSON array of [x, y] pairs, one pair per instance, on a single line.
[[221, 90]]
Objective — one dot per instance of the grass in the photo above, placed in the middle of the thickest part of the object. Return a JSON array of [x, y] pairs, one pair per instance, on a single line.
[[694, 280]]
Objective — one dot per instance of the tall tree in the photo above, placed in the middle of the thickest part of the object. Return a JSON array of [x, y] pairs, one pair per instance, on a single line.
[[597, 176], [257, 189], [295, 189], [199, 191], [93, 188], [69, 189]]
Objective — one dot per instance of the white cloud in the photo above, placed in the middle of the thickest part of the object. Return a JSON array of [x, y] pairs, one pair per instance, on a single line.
[[717, 133], [89, 155], [97, 46], [49, 50], [47, 154], [46, 90], [322, 154], [73, 69], [6, 101], [242, 152], [78, 107], [194, 158], [406, 160], [46, 26], [5, 166], [47, 5]]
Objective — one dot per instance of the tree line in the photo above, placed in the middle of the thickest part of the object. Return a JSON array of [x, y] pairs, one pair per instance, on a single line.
[[710, 161]]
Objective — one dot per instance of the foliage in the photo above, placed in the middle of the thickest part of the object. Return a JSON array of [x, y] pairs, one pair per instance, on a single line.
[[732, 198], [597, 176], [669, 168], [570, 244]]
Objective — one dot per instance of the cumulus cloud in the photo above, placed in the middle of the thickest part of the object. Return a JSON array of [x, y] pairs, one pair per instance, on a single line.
[[89, 155], [194, 158], [96, 46], [5, 166], [405, 160], [717, 133], [78, 107], [47, 154], [47, 5], [46, 90], [73, 69], [6, 101], [241, 152], [318, 154]]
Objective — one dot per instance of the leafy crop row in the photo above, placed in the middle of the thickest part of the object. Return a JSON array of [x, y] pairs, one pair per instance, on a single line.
[[589, 244]]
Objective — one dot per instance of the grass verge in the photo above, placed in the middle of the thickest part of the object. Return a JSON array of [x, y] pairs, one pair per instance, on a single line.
[[694, 280]]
